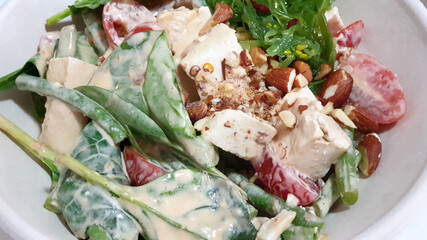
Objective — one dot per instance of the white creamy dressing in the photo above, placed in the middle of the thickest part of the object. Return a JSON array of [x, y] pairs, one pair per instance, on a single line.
[[316, 141], [189, 206]]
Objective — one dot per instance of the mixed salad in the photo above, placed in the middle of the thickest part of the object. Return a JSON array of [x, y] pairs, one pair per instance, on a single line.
[[204, 119]]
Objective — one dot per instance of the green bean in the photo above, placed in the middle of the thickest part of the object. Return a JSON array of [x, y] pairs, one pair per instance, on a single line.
[[347, 176], [77, 100], [126, 113], [273, 205], [162, 95], [67, 42], [327, 198]]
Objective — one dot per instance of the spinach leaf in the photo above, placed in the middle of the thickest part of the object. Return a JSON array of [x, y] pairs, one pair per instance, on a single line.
[[208, 205], [76, 99], [89, 207], [35, 66], [77, 8], [162, 95], [123, 72]]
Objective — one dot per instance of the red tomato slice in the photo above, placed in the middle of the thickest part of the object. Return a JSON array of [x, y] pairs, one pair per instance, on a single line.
[[121, 18], [281, 181], [139, 169], [348, 39], [376, 91]]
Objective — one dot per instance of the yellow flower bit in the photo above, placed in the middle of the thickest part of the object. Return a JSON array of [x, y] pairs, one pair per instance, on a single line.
[[303, 56], [276, 26], [300, 47], [312, 50], [287, 53], [269, 25], [298, 52]]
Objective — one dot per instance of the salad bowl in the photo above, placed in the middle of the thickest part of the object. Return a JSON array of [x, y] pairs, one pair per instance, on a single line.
[[391, 202]]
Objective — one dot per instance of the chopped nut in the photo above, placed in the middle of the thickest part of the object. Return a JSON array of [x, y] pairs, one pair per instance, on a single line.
[[288, 118], [197, 110], [328, 108], [281, 78], [304, 69], [245, 59], [222, 13], [258, 55], [341, 117], [324, 70], [300, 81]]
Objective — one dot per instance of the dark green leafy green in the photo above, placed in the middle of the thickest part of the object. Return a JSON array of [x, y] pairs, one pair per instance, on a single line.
[[89, 207], [76, 99], [127, 114], [77, 8], [125, 68], [213, 201], [163, 99], [206, 198], [308, 40], [35, 66]]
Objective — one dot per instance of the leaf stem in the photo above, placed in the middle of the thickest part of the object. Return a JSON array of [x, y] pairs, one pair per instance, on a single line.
[[58, 17], [50, 157]]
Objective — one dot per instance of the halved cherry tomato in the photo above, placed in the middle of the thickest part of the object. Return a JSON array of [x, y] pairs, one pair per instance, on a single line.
[[121, 18], [140, 170], [348, 39], [260, 8], [376, 91], [280, 181]]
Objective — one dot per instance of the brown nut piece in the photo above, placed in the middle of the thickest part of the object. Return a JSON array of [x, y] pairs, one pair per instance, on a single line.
[[258, 55], [300, 81], [222, 13], [337, 88], [324, 70], [281, 78], [304, 69], [362, 121], [197, 110], [370, 148]]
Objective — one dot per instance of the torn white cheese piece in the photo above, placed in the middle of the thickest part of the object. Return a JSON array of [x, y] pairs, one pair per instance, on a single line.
[[211, 48], [271, 229], [236, 132], [182, 27], [62, 124], [316, 141]]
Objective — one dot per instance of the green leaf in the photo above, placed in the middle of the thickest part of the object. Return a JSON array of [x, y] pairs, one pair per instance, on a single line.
[[97, 233], [124, 69], [163, 98], [76, 99], [35, 66], [127, 114], [84, 205], [208, 205]]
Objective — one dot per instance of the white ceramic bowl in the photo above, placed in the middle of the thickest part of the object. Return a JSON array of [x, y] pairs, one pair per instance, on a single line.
[[392, 201]]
